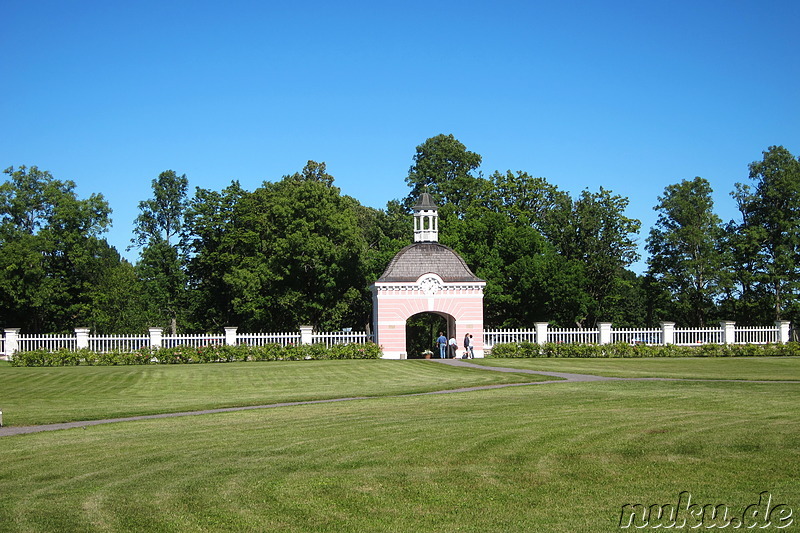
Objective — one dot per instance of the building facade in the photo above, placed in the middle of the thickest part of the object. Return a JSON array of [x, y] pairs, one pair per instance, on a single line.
[[427, 277]]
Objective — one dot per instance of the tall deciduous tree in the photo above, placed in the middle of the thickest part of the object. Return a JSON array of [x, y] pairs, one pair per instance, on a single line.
[[289, 253], [598, 234], [52, 255], [305, 265], [769, 233], [445, 168], [685, 253], [158, 231], [527, 281], [215, 235], [530, 201]]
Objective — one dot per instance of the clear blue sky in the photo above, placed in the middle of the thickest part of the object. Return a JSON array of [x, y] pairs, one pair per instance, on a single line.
[[631, 96]]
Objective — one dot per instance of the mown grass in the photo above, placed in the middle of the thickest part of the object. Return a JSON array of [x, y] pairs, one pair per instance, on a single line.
[[557, 457], [743, 368], [44, 395]]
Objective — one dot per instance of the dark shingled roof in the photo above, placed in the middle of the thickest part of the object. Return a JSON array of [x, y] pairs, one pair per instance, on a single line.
[[421, 258], [425, 202]]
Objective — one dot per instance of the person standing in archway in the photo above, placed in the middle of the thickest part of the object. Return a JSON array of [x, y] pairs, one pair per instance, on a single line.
[[452, 348], [442, 342]]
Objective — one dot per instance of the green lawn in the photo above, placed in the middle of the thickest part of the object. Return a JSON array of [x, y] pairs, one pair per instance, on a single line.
[[555, 457], [31, 396], [746, 368]]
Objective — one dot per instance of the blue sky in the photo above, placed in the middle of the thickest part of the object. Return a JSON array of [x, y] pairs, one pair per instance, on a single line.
[[631, 96]]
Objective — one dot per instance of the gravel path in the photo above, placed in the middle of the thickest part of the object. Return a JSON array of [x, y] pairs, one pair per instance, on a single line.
[[564, 377]]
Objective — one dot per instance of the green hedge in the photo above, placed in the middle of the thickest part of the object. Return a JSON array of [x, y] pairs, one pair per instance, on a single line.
[[621, 349], [204, 354]]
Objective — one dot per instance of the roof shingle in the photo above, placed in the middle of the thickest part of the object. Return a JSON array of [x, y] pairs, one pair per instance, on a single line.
[[420, 258]]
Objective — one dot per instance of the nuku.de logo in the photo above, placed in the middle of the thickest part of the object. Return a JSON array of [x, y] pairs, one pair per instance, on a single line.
[[685, 514]]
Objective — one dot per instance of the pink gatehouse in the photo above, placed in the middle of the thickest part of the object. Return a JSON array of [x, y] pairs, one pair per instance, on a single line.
[[427, 277]]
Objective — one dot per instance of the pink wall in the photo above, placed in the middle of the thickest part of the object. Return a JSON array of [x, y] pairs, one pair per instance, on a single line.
[[394, 305]]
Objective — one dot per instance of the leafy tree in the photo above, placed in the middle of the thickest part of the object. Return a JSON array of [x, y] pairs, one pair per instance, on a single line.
[[596, 232], [52, 254], [769, 233], [158, 231], [214, 242], [385, 233], [312, 172], [161, 217], [445, 168], [289, 253], [685, 255], [530, 201], [307, 266], [118, 303], [594, 242], [628, 302], [527, 281]]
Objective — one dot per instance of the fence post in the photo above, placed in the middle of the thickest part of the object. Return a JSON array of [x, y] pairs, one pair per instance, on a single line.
[[605, 332], [667, 333], [306, 334], [155, 337], [783, 330], [541, 332], [230, 336], [728, 331], [82, 337], [12, 344]]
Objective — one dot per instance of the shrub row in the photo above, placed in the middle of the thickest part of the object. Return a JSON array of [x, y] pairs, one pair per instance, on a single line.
[[204, 354], [621, 349]]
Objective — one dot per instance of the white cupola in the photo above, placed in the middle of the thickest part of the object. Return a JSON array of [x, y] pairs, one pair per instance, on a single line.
[[426, 220]]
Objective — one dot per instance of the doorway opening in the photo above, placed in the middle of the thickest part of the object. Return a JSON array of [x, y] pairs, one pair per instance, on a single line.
[[423, 329]]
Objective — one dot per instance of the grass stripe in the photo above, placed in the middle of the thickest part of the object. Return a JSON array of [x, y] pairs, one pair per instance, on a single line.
[[555, 458], [47, 395], [739, 368]]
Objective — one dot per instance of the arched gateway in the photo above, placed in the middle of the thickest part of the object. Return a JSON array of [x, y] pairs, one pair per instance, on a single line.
[[427, 277]]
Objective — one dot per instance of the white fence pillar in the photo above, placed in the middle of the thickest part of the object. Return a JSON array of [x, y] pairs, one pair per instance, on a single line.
[[605, 332], [668, 333], [306, 334], [156, 335], [82, 337], [783, 330], [541, 332], [728, 331], [12, 344], [230, 335]]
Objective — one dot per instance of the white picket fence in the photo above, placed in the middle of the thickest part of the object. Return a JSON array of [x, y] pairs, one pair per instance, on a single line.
[[263, 339], [49, 342], [692, 336], [637, 336], [573, 336], [757, 335], [340, 337], [500, 336], [13, 341], [117, 343], [726, 333]]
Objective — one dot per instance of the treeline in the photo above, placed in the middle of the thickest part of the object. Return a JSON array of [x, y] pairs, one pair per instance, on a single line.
[[296, 251]]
